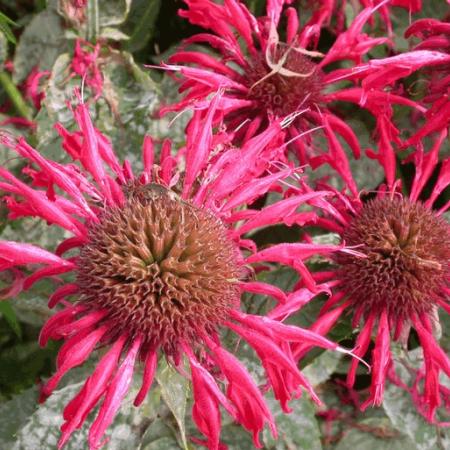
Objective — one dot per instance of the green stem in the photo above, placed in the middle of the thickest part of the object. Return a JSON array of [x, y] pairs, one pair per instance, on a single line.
[[15, 96], [93, 27]]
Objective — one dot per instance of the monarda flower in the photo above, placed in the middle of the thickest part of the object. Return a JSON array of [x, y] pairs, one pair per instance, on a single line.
[[434, 35], [399, 277], [266, 77], [85, 63], [159, 263]]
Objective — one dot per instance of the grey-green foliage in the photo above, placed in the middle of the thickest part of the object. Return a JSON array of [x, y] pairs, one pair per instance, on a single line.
[[24, 423], [123, 113], [174, 391], [3, 49], [373, 434], [40, 44], [403, 414], [298, 429]]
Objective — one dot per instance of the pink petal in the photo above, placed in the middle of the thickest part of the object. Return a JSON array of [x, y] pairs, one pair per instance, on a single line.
[[151, 362], [117, 390], [381, 359], [73, 353], [79, 407]]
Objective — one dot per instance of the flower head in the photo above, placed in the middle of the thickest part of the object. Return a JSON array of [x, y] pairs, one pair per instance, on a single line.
[[272, 72], [434, 35], [397, 276], [159, 261]]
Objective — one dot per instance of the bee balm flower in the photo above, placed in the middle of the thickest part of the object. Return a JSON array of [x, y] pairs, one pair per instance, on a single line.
[[160, 264], [265, 78], [397, 278]]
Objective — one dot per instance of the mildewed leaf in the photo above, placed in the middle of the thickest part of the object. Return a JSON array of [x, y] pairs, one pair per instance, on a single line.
[[174, 392], [3, 49], [41, 427], [14, 415], [298, 429], [400, 409], [374, 434], [40, 44]]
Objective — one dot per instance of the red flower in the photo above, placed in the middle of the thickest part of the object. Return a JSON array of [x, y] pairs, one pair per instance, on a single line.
[[397, 276], [435, 35], [265, 78], [85, 63], [161, 260]]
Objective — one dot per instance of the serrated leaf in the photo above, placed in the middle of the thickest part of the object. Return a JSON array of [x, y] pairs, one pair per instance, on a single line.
[[140, 24], [22, 364], [123, 113], [7, 311], [322, 367], [400, 409], [14, 415], [5, 29], [170, 126], [112, 12], [31, 306], [373, 434], [3, 49], [40, 44], [164, 443], [159, 436], [236, 438], [174, 392], [298, 429], [114, 34], [42, 426]]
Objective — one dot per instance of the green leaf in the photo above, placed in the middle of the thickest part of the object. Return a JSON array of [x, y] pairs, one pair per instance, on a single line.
[[36, 231], [236, 438], [22, 364], [40, 44], [283, 277], [5, 29], [322, 367], [174, 392], [3, 50], [123, 113], [298, 429], [31, 306], [140, 24], [171, 125], [14, 415], [7, 311], [92, 20], [112, 12], [113, 34], [400, 409], [159, 436], [373, 434], [42, 425]]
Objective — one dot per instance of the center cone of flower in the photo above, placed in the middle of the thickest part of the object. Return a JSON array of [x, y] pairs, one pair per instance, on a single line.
[[406, 263], [296, 85], [160, 267]]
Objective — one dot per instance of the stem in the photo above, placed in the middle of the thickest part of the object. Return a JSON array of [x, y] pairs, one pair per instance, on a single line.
[[15, 96], [93, 27]]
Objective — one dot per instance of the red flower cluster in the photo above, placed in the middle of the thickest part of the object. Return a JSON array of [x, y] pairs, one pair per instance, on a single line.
[[162, 261], [157, 261]]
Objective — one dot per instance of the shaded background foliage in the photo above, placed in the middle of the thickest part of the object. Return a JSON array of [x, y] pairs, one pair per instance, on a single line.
[[131, 34]]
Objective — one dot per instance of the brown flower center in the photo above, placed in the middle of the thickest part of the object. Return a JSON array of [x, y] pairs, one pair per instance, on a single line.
[[407, 250], [295, 86], [160, 267]]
